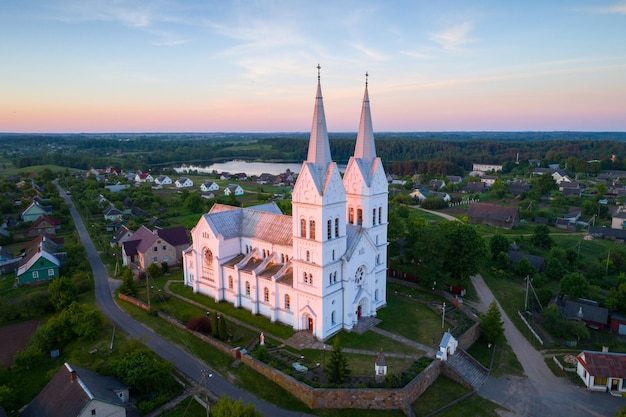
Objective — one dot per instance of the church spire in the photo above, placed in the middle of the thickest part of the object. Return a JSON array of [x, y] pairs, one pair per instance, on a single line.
[[319, 148], [365, 148]]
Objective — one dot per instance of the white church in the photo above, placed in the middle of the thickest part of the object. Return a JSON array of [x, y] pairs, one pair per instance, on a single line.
[[319, 270]]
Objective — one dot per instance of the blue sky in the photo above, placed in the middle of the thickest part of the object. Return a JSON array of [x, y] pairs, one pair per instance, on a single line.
[[246, 66]]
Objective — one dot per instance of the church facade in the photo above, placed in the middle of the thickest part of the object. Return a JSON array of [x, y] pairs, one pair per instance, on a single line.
[[319, 270]]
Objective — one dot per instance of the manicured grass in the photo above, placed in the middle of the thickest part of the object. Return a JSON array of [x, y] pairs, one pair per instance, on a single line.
[[505, 361], [440, 393], [474, 406], [373, 342], [411, 319], [363, 365], [228, 309], [443, 391]]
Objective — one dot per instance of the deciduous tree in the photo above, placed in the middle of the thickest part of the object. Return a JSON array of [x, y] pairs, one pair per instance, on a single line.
[[226, 407]]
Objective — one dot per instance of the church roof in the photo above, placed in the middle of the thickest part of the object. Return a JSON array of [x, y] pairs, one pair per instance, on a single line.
[[365, 148], [261, 222], [319, 147]]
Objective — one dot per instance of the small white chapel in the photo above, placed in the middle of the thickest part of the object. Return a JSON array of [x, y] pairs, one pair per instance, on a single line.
[[319, 270]]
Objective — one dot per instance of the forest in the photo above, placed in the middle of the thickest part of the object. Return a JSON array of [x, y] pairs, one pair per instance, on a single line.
[[402, 153]]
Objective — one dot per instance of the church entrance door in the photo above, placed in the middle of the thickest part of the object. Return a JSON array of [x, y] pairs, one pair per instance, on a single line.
[[310, 325]]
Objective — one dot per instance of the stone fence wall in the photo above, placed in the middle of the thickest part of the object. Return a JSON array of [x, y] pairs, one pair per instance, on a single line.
[[468, 338], [134, 301], [358, 398]]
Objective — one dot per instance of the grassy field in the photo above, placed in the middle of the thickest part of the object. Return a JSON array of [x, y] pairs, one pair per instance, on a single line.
[[411, 319], [444, 391]]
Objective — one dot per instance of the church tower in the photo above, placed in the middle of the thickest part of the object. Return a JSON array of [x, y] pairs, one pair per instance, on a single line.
[[319, 232], [366, 187]]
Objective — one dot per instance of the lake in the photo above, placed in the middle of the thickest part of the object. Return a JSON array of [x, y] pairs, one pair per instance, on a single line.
[[234, 167]]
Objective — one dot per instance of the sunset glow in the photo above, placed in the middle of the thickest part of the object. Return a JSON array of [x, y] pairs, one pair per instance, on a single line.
[[133, 66]]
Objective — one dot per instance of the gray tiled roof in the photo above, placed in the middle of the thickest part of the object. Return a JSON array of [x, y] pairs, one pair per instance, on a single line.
[[261, 222]]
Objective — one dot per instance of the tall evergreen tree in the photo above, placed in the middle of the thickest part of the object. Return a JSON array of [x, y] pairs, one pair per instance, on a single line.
[[337, 370], [492, 324]]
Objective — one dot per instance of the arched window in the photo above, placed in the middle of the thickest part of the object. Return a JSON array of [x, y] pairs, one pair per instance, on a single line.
[[247, 287], [337, 227], [330, 278], [302, 228], [305, 278], [332, 317], [311, 279], [333, 254], [373, 216], [230, 282], [287, 302], [359, 215], [376, 295], [351, 215], [380, 215], [312, 229], [266, 295], [308, 256], [329, 229]]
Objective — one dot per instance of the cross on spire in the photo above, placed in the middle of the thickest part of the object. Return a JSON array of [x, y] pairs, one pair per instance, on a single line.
[[318, 72], [366, 77]]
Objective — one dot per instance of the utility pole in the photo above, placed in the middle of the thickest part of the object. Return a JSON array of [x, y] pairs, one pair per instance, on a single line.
[[148, 289], [526, 299]]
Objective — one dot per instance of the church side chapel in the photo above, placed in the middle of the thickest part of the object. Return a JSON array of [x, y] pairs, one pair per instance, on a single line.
[[319, 270]]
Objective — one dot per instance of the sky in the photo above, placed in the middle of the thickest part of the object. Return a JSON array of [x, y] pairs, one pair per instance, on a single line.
[[251, 66]]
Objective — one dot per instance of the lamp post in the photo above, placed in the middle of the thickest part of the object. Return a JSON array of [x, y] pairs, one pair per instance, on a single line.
[[443, 315], [205, 376]]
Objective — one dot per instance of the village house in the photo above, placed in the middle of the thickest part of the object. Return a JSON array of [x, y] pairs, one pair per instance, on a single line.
[[618, 221], [44, 224], [209, 186], [34, 210], [163, 180], [602, 371], [143, 177], [146, 247], [41, 261], [486, 167], [233, 189], [183, 182], [503, 217], [78, 392]]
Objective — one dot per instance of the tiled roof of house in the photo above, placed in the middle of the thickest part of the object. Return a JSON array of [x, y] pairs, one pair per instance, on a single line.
[[175, 236], [604, 364], [492, 211], [71, 389]]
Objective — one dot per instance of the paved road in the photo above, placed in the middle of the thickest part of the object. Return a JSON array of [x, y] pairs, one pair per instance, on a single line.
[[190, 366], [541, 393]]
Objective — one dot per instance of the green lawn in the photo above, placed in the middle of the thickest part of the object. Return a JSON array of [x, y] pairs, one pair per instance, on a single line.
[[373, 342], [228, 309], [411, 319], [243, 376], [443, 391]]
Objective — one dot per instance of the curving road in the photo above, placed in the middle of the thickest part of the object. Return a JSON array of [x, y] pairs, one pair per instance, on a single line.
[[541, 393], [190, 366]]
